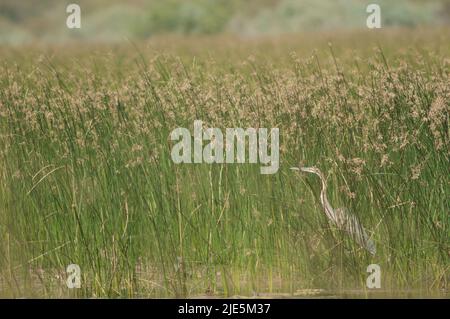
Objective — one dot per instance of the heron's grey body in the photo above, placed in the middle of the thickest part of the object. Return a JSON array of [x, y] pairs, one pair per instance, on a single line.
[[340, 217]]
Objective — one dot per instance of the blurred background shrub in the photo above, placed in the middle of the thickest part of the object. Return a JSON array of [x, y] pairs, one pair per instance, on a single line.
[[113, 20]]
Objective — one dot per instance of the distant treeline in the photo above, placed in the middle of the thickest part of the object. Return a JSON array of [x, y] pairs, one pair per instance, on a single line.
[[113, 19]]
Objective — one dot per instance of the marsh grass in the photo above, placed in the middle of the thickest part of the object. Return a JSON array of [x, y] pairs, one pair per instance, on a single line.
[[87, 176]]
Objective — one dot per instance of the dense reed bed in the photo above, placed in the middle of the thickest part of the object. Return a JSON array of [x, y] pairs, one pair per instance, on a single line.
[[86, 174]]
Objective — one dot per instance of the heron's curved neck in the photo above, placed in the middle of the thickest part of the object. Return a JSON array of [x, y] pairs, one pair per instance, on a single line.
[[323, 192], [324, 200]]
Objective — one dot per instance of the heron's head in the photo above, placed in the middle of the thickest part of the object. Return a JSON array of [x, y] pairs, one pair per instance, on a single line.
[[312, 169]]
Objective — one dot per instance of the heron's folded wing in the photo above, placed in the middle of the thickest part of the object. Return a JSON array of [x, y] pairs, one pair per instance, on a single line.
[[357, 231]]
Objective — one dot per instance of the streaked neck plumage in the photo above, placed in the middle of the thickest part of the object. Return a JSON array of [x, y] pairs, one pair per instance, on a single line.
[[324, 200]]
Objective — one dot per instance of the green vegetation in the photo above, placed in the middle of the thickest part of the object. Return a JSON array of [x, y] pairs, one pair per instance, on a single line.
[[87, 176], [114, 20]]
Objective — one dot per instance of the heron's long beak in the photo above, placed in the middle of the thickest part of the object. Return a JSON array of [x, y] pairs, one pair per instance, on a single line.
[[302, 169], [305, 169]]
